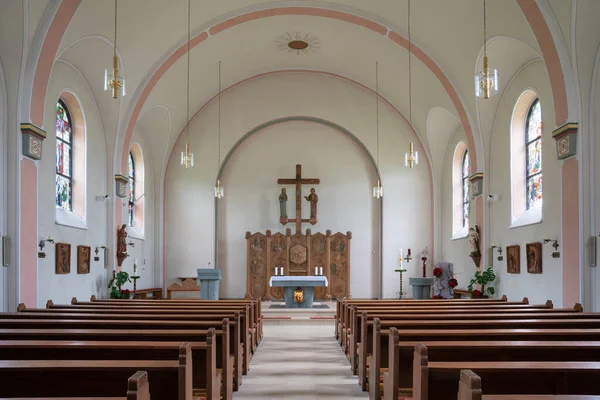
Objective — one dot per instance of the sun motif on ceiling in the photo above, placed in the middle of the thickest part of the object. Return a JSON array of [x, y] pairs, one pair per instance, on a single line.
[[298, 43]]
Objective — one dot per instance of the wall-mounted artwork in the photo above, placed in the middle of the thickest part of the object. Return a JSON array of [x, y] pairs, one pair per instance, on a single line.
[[534, 258], [513, 259], [83, 259], [63, 258]]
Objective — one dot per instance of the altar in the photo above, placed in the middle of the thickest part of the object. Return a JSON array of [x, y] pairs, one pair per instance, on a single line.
[[298, 291]]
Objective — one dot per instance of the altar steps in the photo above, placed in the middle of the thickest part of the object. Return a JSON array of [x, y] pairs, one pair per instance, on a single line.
[[298, 316]]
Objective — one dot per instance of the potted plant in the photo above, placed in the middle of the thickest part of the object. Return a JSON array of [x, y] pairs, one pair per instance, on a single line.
[[118, 280], [483, 278]]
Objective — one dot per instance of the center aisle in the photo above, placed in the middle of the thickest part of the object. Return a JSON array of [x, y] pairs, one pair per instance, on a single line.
[[299, 362]]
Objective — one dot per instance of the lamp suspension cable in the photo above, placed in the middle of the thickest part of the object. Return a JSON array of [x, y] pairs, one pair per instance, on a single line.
[[411, 158], [486, 80], [112, 81], [187, 157], [377, 190], [219, 191]]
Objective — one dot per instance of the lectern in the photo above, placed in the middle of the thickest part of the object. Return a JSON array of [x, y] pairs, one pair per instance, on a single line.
[[209, 283]]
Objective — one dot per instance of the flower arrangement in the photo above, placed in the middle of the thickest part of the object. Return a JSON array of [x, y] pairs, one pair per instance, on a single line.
[[437, 271], [483, 278], [118, 280], [438, 296], [453, 283]]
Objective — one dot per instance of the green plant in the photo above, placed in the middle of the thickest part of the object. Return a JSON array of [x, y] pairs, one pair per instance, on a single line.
[[484, 278], [118, 280]]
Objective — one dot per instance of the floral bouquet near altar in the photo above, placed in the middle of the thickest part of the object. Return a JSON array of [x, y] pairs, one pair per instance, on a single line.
[[444, 281], [437, 271]]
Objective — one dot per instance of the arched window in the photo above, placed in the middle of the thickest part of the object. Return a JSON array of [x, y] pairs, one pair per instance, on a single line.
[[465, 189], [64, 157], [526, 139], [533, 155], [137, 191], [460, 191], [131, 190]]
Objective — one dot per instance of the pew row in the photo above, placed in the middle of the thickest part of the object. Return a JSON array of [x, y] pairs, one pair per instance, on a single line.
[[439, 380], [469, 388], [101, 378], [224, 361], [206, 379]]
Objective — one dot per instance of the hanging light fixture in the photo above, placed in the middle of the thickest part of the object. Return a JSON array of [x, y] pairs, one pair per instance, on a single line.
[[187, 157], [219, 191], [412, 157], [486, 80], [377, 190], [112, 80]]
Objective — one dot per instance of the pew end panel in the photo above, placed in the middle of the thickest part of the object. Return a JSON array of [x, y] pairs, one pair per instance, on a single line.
[[138, 387], [469, 386], [420, 373]]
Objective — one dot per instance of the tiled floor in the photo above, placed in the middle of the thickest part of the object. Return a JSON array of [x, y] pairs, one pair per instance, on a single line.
[[299, 362]]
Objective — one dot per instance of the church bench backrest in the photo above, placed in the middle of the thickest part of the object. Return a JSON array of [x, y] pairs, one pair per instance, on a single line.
[[435, 380], [381, 347], [401, 354], [203, 354], [234, 327], [105, 378], [226, 360], [469, 388]]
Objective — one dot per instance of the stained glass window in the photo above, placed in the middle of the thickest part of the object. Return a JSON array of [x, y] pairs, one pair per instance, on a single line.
[[533, 154], [465, 188], [64, 157], [131, 190]]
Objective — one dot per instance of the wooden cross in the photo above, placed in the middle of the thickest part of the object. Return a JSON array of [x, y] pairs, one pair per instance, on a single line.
[[299, 181]]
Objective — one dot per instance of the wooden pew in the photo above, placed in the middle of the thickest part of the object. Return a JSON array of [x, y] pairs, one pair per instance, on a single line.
[[206, 378], [255, 304], [375, 344], [104, 378], [254, 307], [238, 325], [138, 388], [224, 359], [438, 380], [469, 388]]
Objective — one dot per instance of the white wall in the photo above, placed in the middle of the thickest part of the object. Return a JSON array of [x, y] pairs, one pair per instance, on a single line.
[[548, 285], [251, 192], [61, 288]]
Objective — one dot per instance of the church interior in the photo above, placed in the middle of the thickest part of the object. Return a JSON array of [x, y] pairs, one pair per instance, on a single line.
[[331, 173]]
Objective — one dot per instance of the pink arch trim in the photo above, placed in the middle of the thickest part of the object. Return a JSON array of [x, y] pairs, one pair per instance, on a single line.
[[557, 78], [57, 29]]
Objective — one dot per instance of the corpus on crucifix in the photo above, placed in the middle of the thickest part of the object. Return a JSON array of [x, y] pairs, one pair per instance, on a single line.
[[312, 198]]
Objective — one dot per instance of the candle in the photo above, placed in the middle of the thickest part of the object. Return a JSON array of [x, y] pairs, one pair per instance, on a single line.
[[316, 270], [401, 258], [321, 270]]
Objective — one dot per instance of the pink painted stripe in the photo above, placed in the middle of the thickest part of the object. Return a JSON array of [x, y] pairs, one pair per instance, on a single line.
[[570, 233], [306, 11], [557, 79], [59, 25], [28, 235]]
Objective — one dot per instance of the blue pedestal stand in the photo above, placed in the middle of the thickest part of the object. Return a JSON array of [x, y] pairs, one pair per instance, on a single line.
[[421, 287], [209, 283]]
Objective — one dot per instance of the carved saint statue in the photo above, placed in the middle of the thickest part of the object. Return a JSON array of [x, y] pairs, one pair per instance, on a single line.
[[313, 199], [474, 240], [283, 204], [122, 240]]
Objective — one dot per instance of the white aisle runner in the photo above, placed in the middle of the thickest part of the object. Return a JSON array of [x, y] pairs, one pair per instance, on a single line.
[[299, 362]]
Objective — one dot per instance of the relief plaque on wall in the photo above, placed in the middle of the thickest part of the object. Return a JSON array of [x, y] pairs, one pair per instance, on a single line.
[[83, 259], [63, 258]]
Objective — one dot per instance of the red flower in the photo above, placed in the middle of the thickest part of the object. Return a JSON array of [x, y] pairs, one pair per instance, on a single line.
[[476, 293], [439, 296], [437, 271], [122, 291], [453, 283]]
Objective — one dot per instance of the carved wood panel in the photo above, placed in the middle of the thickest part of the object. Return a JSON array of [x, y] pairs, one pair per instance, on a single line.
[[298, 255], [319, 257], [278, 257], [340, 265], [256, 250]]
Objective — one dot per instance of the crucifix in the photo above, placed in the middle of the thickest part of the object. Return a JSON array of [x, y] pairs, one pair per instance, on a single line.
[[312, 198]]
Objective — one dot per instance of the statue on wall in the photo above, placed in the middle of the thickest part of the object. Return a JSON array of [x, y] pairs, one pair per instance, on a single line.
[[121, 245], [313, 199], [474, 240], [283, 204]]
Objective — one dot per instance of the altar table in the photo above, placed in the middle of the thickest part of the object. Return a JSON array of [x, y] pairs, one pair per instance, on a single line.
[[304, 284]]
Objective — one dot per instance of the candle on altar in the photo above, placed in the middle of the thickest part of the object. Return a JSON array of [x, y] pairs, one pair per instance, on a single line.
[[401, 259], [320, 270], [134, 265]]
